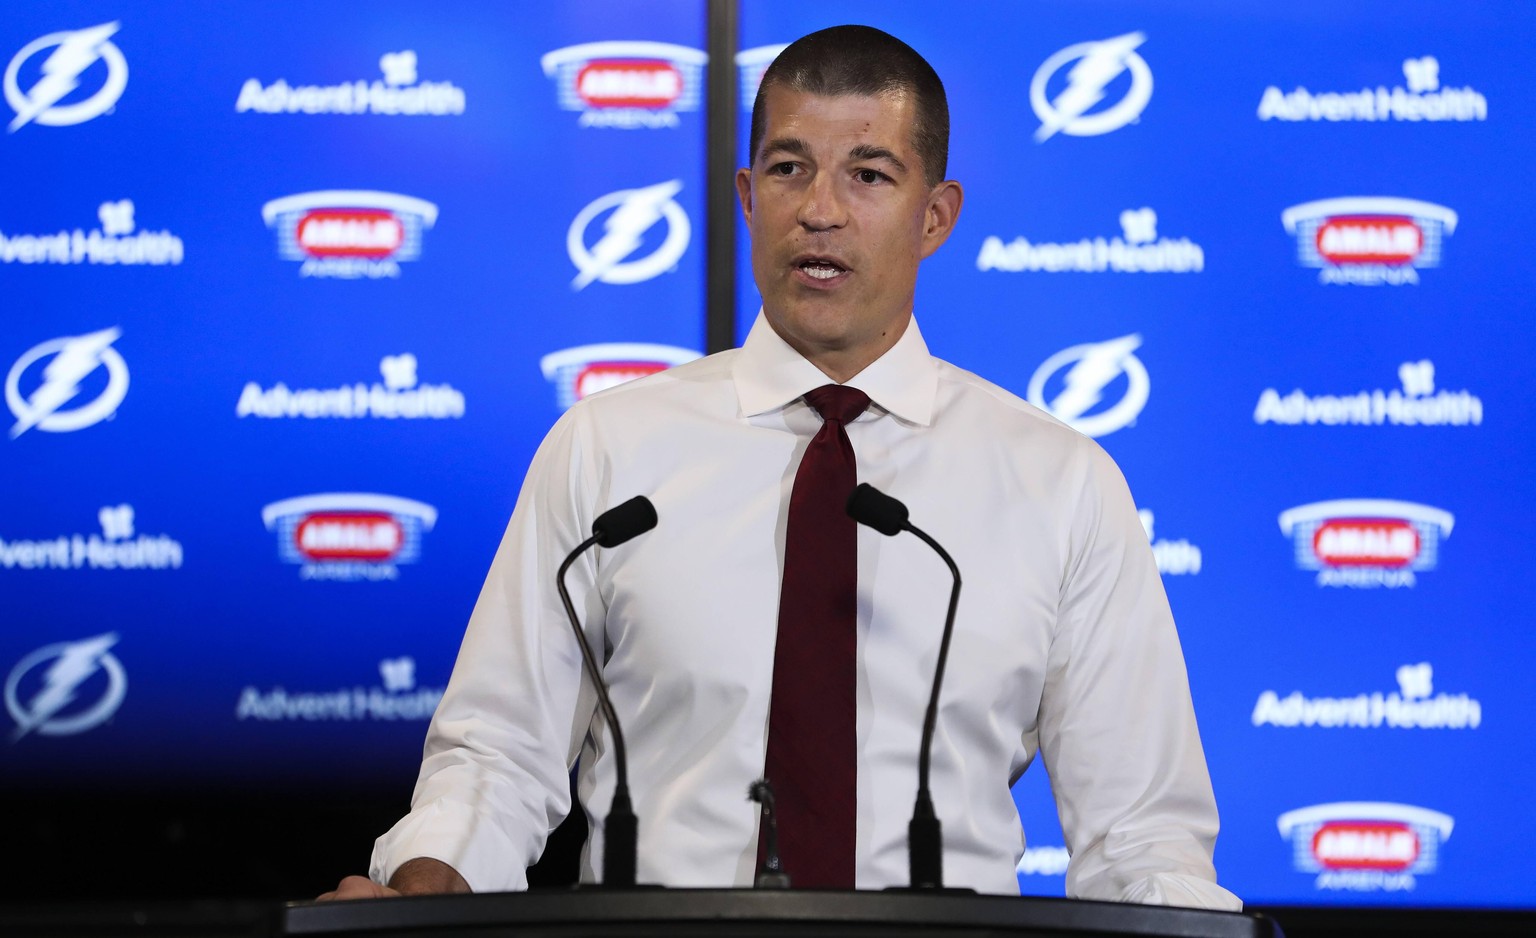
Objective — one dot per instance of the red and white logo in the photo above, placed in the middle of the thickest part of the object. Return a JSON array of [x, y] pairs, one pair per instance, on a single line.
[[1369, 240], [1365, 845], [582, 371], [349, 535], [750, 66], [349, 233], [628, 85], [1366, 541]]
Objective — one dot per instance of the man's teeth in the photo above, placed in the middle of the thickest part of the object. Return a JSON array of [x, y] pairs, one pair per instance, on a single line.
[[821, 271]]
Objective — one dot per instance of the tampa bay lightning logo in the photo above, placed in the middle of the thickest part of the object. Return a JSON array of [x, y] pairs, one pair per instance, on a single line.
[[74, 52], [1088, 374], [71, 359], [631, 213], [53, 691]]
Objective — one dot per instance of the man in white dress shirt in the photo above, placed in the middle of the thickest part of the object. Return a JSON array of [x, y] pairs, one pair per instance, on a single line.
[[1064, 645]]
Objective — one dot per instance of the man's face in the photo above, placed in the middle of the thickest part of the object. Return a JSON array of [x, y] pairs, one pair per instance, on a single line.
[[840, 216]]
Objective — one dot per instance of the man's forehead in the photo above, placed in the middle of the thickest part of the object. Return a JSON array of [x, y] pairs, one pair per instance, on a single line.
[[882, 119]]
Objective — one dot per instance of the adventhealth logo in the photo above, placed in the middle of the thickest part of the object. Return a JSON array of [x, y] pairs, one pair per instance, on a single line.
[[61, 73], [400, 396], [1416, 404], [399, 698], [115, 242], [1139, 250], [1422, 100], [398, 94], [118, 547], [1174, 557], [1414, 705]]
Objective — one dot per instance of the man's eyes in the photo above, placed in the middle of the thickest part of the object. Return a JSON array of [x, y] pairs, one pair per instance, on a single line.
[[868, 177]]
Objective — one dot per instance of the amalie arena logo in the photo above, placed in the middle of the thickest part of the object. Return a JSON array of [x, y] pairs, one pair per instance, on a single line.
[[1369, 240], [349, 535], [582, 371], [1366, 542], [349, 233], [627, 85], [1366, 846]]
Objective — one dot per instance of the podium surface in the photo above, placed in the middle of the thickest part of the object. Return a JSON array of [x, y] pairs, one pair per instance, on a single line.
[[745, 912]]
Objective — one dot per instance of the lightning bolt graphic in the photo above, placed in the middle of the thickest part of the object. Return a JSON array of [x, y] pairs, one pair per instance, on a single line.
[[1086, 81], [1086, 379], [78, 661], [623, 229], [61, 378], [61, 70]]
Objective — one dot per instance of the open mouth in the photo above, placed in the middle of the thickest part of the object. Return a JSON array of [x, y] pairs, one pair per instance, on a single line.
[[819, 268]]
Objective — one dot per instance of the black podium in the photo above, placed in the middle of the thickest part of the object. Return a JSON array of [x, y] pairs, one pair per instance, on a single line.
[[754, 913]]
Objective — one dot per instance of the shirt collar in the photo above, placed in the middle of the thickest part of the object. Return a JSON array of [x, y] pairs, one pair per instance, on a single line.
[[769, 375]]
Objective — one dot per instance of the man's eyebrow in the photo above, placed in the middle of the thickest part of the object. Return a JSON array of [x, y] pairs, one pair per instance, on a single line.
[[868, 151], [791, 145]]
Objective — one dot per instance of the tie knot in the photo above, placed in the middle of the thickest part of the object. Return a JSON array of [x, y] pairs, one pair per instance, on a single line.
[[836, 402]]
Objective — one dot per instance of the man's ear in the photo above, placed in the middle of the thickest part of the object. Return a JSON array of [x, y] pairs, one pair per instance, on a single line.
[[744, 193], [942, 213]]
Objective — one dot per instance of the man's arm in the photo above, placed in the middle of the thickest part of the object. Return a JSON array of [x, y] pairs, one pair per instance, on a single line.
[[495, 773], [1117, 727]]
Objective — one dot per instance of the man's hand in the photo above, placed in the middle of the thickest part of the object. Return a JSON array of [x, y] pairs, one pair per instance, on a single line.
[[422, 876], [357, 887]]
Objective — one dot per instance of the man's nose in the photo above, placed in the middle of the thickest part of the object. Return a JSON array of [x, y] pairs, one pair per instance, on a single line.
[[822, 205]]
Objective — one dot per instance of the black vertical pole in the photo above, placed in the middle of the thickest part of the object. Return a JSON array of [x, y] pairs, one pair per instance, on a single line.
[[721, 105]]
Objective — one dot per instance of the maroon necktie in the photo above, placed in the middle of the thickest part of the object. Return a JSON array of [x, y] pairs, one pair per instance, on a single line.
[[812, 749]]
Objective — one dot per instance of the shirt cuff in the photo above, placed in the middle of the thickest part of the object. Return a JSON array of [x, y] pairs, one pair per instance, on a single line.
[[1187, 891], [458, 836]]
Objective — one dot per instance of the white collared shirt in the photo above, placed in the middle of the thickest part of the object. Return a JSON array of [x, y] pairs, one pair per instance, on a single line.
[[1064, 644]]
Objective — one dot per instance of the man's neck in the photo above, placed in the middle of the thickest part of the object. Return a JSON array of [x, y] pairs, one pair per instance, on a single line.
[[843, 363]]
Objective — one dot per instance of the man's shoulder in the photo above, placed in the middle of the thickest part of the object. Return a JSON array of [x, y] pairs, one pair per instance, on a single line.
[[688, 381], [968, 389]]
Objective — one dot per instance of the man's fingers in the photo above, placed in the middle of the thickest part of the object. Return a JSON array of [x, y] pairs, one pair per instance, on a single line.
[[357, 887]]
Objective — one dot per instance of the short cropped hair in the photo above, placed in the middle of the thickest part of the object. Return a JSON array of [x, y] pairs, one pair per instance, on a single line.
[[862, 60]]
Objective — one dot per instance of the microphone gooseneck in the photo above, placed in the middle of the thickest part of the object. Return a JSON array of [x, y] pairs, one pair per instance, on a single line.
[[772, 875], [611, 528], [925, 843]]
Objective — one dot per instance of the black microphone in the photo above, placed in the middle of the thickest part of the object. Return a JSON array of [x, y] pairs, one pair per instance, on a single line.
[[772, 875], [925, 841], [624, 521], [612, 528]]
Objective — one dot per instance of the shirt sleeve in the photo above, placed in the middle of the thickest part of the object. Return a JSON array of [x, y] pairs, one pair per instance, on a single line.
[[1117, 727], [494, 777]]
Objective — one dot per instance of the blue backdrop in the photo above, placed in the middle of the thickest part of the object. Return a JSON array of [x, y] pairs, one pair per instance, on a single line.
[[292, 292]]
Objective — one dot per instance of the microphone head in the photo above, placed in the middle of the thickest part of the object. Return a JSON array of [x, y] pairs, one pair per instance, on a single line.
[[868, 505], [761, 792], [622, 522]]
